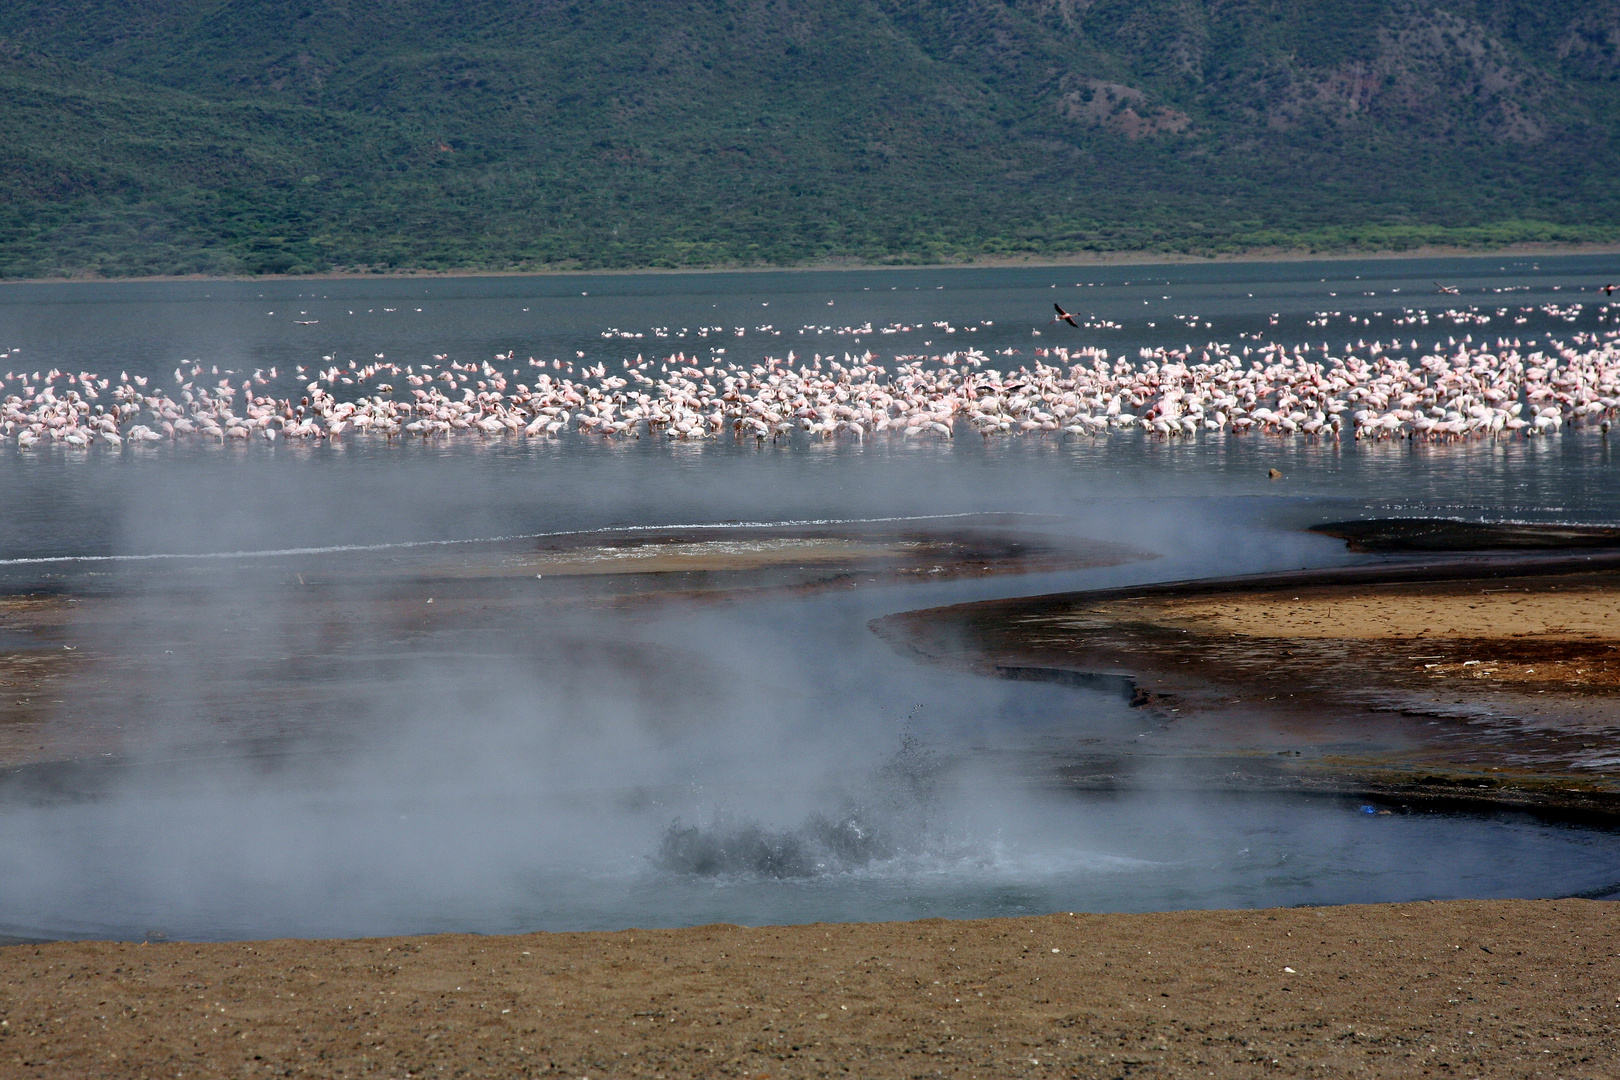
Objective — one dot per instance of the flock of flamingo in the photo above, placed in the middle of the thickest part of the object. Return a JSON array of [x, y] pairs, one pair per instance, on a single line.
[[1461, 389]]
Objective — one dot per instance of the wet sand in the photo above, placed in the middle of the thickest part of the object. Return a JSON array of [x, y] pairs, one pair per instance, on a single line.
[[1490, 680], [1463, 989]]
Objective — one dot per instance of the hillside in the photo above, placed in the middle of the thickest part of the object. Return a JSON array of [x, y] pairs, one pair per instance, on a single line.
[[226, 136]]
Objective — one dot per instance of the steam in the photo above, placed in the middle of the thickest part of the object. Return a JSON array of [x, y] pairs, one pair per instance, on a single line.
[[889, 818], [310, 750]]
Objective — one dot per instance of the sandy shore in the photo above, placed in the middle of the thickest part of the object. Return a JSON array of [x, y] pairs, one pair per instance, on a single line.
[[1463, 989], [1491, 679]]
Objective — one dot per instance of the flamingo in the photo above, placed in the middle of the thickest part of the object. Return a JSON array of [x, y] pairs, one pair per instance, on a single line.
[[1465, 389]]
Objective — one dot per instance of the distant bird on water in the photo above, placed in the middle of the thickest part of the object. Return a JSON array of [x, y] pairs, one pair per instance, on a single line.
[[1449, 290], [1065, 316]]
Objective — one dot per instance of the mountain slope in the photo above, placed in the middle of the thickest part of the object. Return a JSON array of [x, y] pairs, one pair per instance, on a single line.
[[155, 136]]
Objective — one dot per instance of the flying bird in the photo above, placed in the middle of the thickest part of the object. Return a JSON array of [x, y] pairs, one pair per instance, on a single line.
[[1065, 316], [1449, 290], [1608, 290]]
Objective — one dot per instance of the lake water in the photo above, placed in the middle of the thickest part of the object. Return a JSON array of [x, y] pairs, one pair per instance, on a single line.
[[812, 774]]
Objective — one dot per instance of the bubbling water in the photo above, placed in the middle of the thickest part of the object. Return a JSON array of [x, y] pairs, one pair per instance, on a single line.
[[891, 818]]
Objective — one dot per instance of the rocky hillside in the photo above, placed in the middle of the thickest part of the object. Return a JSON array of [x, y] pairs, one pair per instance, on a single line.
[[163, 136]]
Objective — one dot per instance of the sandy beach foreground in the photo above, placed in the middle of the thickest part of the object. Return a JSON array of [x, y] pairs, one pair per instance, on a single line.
[[1464, 989]]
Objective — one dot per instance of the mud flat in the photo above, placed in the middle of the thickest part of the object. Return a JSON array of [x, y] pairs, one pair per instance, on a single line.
[[1489, 679], [96, 656], [1467, 989]]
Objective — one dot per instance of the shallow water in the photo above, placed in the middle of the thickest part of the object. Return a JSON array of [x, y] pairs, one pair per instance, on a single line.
[[147, 328], [493, 787], [176, 871]]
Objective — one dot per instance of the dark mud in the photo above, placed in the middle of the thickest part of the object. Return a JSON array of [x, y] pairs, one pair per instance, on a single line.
[[1442, 534]]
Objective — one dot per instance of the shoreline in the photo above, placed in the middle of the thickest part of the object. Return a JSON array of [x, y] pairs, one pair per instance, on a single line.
[[1123, 258], [1464, 682]]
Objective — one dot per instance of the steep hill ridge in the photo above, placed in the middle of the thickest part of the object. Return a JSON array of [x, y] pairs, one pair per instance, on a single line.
[[174, 136]]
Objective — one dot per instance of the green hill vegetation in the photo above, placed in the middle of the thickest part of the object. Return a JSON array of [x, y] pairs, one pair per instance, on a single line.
[[291, 136]]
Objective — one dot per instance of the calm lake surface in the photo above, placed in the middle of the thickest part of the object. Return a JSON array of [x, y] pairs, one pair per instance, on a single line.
[[508, 798]]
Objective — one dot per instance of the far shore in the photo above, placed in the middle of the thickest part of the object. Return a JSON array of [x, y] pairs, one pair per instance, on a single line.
[[1105, 258]]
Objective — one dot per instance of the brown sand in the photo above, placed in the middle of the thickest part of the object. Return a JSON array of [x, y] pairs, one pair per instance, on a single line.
[[1464, 989], [1587, 611], [1585, 615]]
